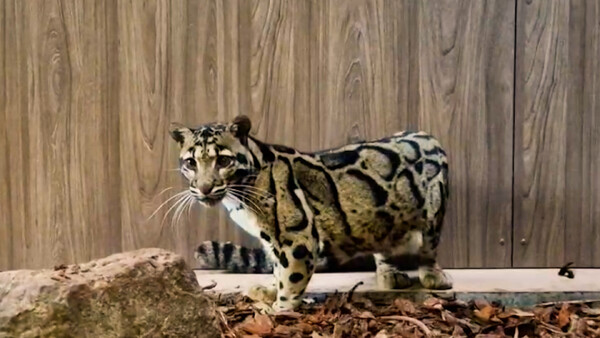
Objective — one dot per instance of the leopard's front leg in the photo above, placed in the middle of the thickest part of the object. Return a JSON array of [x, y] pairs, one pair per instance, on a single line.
[[295, 236], [293, 272]]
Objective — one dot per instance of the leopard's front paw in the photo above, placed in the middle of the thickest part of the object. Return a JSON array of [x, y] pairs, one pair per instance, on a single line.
[[286, 305], [260, 293], [390, 279], [263, 308]]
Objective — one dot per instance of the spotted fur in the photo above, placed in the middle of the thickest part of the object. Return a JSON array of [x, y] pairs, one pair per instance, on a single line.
[[386, 197]]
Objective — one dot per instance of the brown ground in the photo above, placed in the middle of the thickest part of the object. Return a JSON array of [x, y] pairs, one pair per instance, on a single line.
[[348, 315]]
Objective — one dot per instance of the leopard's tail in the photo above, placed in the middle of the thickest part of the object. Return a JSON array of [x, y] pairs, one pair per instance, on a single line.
[[212, 255]]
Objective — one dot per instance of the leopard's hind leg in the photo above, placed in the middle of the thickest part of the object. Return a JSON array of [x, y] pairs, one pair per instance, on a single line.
[[431, 274]]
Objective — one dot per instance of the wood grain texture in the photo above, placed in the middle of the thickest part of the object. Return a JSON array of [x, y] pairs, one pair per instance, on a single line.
[[6, 225], [58, 133], [556, 134], [88, 88], [279, 71]]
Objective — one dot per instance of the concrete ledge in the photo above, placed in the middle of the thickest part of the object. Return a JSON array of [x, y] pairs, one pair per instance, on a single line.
[[511, 287]]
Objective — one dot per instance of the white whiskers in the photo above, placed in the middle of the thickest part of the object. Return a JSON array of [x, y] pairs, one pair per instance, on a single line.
[[183, 199], [180, 201], [243, 196], [181, 207], [248, 188], [239, 199], [247, 195], [179, 194]]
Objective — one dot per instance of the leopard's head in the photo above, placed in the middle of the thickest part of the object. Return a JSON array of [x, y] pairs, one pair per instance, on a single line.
[[214, 158]]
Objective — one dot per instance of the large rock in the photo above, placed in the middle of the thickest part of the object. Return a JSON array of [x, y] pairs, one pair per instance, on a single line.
[[149, 292]]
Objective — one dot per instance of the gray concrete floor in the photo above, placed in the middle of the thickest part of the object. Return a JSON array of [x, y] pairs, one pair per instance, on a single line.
[[519, 287]]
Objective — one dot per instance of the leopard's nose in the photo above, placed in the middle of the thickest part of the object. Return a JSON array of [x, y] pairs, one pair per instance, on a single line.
[[206, 189]]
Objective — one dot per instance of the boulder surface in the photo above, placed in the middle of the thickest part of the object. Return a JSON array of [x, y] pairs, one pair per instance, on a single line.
[[148, 292]]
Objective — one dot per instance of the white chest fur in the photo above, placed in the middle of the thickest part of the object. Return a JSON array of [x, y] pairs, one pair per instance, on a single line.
[[242, 217]]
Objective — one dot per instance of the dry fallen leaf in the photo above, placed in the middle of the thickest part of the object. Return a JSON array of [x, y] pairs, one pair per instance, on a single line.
[[434, 303], [481, 303], [458, 331], [381, 334], [284, 330], [260, 325], [304, 327], [564, 316], [486, 314], [405, 306], [543, 314], [288, 314], [590, 311], [515, 312], [365, 315]]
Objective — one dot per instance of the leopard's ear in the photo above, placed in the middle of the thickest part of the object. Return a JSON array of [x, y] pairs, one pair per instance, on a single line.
[[240, 127], [180, 133]]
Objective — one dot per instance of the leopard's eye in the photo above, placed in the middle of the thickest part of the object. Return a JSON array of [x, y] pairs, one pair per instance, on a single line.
[[224, 161], [189, 163]]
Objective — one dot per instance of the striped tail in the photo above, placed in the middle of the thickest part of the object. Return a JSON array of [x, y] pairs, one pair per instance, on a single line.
[[212, 255]]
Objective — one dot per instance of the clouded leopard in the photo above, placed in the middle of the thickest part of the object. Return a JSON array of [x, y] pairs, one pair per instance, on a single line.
[[386, 197]]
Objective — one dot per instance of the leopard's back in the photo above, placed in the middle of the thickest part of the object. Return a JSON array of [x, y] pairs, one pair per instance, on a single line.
[[368, 196]]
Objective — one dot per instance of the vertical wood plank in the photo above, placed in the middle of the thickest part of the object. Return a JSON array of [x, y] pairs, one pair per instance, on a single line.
[[143, 101], [16, 136], [6, 225], [58, 131], [92, 174], [556, 198], [583, 141], [42, 165], [49, 113], [353, 63], [540, 133], [279, 68]]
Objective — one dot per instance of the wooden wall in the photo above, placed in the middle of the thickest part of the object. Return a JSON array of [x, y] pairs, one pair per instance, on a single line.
[[557, 134], [88, 88]]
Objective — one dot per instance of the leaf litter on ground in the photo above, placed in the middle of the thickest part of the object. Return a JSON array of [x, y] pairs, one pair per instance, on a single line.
[[352, 315]]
